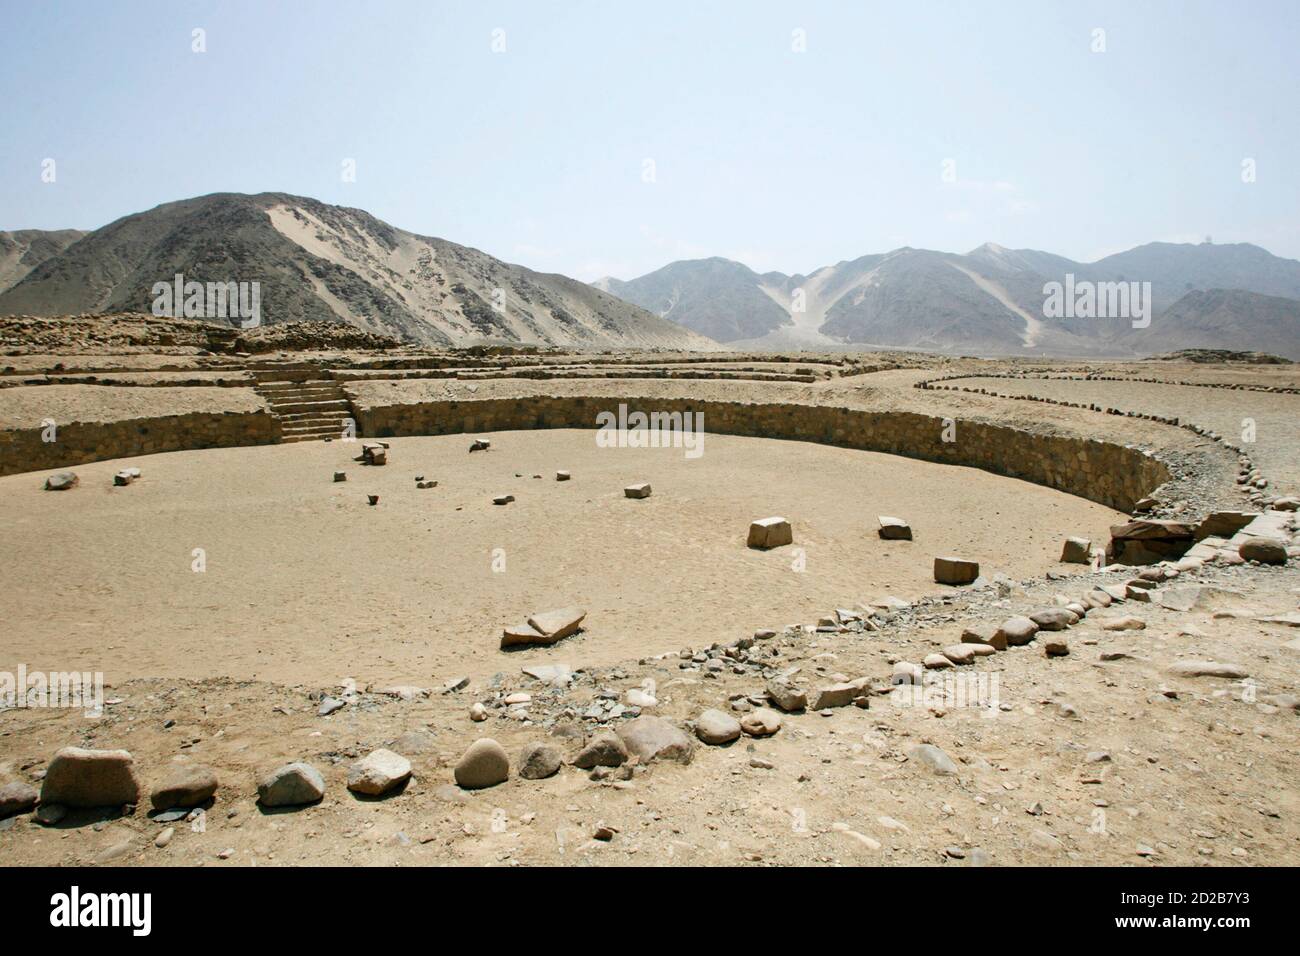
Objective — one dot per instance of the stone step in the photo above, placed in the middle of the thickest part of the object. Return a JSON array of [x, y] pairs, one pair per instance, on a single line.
[[333, 405]]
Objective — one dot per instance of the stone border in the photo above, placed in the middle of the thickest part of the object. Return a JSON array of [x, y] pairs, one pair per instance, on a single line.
[[1249, 477]]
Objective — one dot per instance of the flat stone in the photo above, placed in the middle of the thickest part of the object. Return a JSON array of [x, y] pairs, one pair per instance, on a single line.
[[956, 571], [641, 490], [559, 623], [78, 777], [484, 764], [894, 529], [1126, 623], [770, 533], [655, 738], [934, 758], [379, 772], [936, 662], [715, 728], [539, 760], [837, 695], [185, 785], [293, 785], [1207, 669]]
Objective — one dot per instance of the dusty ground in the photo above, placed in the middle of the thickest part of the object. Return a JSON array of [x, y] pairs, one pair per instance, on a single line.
[[407, 591], [1098, 757]]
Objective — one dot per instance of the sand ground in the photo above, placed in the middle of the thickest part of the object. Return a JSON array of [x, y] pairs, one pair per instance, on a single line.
[[305, 583]]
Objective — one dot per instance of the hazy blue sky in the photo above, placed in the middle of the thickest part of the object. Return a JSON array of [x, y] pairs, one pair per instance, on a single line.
[[781, 159]]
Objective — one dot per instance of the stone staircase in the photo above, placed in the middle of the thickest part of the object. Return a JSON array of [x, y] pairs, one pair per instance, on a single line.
[[309, 407]]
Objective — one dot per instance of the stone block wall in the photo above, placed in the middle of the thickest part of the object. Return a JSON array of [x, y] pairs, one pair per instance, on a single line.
[[80, 442], [1113, 475]]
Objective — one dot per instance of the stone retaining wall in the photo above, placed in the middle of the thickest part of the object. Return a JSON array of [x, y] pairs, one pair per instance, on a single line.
[[77, 442], [1113, 475]]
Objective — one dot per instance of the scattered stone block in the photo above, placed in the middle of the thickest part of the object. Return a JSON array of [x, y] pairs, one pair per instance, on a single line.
[[770, 533], [558, 624], [122, 479], [79, 777], [502, 499], [1077, 551], [374, 454], [957, 571], [63, 481], [1056, 647], [340, 476], [480, 444], [562, 476], [641, 490], [894, 529]]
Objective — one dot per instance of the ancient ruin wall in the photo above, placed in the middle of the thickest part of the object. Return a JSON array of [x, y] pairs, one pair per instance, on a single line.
[[1109, 474], [79, 442]]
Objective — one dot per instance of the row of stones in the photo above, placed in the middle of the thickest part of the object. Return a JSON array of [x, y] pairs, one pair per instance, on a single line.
[[1258, 482], [1093, 377]]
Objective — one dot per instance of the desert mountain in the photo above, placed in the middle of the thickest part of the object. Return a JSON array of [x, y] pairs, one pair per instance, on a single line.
[[1224, 319], [24, 250], [990, 300], [317, 261]]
